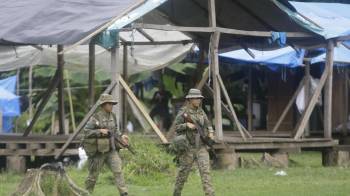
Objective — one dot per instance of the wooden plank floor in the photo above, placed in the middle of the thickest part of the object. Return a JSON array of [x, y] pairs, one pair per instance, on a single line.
[[36, 145]]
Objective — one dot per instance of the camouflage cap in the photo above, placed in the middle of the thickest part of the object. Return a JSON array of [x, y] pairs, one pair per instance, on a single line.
[[194, 93], [107, 98]]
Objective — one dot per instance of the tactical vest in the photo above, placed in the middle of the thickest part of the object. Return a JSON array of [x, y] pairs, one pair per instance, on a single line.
[[93, 145]]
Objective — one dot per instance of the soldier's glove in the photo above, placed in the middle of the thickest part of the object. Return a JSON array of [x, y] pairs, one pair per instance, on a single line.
[[125, 140], [191, 126], [211, 135], [104, 132]]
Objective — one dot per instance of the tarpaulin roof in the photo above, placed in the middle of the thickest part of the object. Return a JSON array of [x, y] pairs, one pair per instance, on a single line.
[[273, 59], [57, 21], [249, 15], [332, 18], [66, 22], [341, 56], [140, 57]]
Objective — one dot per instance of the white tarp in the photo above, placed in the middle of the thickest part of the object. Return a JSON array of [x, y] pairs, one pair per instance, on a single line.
[[140, 58], [300, 101]]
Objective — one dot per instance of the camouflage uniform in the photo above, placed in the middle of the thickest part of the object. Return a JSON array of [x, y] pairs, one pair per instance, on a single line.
[[96, 160], [197, 150]]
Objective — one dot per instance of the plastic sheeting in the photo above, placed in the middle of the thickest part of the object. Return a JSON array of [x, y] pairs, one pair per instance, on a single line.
[[140, 58], [57, 22], [273, 59], [341, 56], [9, 103], [332, 18], [300, 101]]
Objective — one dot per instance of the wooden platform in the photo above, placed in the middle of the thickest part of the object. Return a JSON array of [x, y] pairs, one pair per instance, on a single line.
[[36, 145], [263, 144]]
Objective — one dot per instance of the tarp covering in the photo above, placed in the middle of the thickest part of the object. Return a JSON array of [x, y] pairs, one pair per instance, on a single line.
[[140, 58], [250, 15], [341, 57], [57, 21], [333, 18], [9, 102], [273, 59]]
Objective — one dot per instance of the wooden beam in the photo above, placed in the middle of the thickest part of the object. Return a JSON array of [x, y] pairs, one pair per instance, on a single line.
[[346, 101], [142, 110], [250, 100], [221, 83], [60, 89], [83, 122], [50, 89], [30, 91], [343, 38], [214, 44], [328, 91], [71, 108], [155, 43], [103, 27], [115, 78], [219, 29], [124, 95], [91, 74], [212, 13], [289, 105], [150, 38], [310, 106], [307, 92]]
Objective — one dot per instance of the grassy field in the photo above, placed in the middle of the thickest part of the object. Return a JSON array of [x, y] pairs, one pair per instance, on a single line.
[[304, 177]]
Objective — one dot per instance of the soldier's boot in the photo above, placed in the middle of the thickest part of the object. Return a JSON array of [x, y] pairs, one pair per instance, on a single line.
[[90, 185], [124, 194]]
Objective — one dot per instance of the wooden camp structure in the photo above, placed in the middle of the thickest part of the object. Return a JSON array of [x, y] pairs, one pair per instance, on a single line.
[[213, 33]]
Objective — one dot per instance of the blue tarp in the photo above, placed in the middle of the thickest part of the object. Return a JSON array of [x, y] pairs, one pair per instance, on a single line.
[[332, 18], [272, 59], [9, 103], [341, 57]]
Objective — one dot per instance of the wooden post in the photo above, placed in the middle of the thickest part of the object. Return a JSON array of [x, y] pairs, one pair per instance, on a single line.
[[212, 14], [250, 100], [307, 89], [83, 122], [30, 92], [60, 88], [123, 97], [214, 43], [346, 103], [328, 90], [91, 74], [213, 46], [71, 108], [114, 79]]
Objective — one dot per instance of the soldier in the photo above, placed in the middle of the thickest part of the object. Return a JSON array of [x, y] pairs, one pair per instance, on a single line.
[[98, 145], [196, 150]]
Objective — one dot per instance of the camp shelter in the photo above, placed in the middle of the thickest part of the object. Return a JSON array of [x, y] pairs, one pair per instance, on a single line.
[[214, 25]]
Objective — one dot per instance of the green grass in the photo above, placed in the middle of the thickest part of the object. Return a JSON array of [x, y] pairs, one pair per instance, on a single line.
[[306, 177]]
